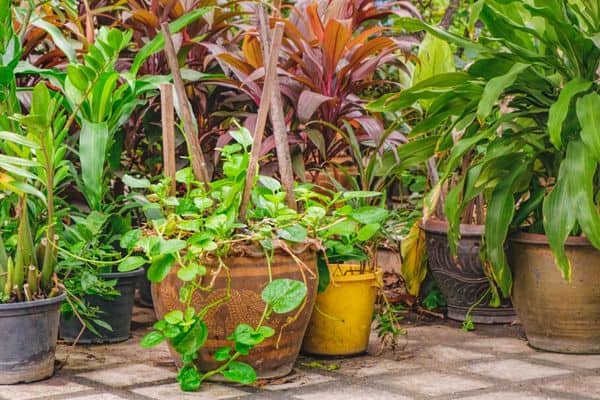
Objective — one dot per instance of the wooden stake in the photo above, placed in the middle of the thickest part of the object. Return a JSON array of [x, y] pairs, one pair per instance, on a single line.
[[277, 117], [261, 120], [168, 134], [190, 130]]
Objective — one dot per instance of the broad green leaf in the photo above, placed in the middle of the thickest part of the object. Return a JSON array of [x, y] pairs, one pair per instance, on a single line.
[[129, 240], [368, 231], [192, 340], [152, 339], [222, 354], [93, 143], [494, 89], [560, 109], [172, 245], [501, 208], [161, 265], [370, 215], [284, 295], [240, 372], [270, 183], [190, 272], [560, 217], [582, 167], [246, 335], [588, 113], [294, 233], [131, 264], [174, 317], [266, 331]]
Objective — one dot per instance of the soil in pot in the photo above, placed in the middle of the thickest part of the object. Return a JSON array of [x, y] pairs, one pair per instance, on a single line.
[[275, 357], [28, 340], [341, 321], [462, 280], [116, 312], [557, 315]]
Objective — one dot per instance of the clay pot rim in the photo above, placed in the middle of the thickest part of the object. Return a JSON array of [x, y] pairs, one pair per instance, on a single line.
[[435, 225], [540, 239], [23, 305]]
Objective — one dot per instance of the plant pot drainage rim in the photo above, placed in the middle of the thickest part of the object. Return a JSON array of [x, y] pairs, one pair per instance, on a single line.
[[33, 304]]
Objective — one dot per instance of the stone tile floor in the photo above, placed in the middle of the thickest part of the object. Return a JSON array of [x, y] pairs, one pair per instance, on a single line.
[[436, 361]]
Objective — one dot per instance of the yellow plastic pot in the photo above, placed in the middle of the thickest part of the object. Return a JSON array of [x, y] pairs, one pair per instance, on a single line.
[[340, 324]]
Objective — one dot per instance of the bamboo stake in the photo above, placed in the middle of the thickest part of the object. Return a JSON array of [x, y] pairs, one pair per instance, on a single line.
[[261, 120], [190, 130], [168, 134], [284, 158]]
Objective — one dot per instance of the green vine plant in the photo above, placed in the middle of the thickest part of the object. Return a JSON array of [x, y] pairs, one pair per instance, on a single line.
[[198, 229]]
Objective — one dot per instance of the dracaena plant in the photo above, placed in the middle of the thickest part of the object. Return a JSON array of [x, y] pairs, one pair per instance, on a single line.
[[525, 109], [198, 229], [331, 51]]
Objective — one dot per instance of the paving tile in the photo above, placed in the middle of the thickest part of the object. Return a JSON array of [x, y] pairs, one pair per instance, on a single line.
[[209, 391], [588, 386], [99, 396], [128, 375], [370, 366], [446, 354], [351, 393], [86, 360], [571, 360], [435, 383], [509, 396], [513, 370], [41, 390], [502, 345], [298, 379]]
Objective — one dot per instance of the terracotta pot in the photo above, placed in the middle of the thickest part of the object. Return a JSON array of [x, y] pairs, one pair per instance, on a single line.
[[557, 316], [249, 275], [462, 280]]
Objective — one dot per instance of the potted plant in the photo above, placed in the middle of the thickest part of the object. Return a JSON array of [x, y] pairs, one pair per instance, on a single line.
[[532, 127], [452, 254], [224, 285], [30, 295], [101, 299]]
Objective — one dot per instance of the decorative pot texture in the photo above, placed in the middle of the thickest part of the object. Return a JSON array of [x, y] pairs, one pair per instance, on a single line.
[[341, 321], [557, 316], [116, 312], [462, 280], [28, 340], [249, 275]]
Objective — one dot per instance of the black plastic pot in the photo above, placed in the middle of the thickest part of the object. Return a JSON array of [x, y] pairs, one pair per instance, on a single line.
[[116, 312], [28, 333], [145, 291]]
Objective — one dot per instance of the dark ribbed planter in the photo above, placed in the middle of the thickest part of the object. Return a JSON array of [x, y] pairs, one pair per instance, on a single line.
[[556, 315], [28, 333], [462, 280], [116, 312]]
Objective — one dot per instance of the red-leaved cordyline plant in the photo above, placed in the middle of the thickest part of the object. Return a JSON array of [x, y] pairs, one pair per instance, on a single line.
[[330, 53]]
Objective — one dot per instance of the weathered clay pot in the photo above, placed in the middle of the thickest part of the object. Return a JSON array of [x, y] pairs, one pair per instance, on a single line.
[[28, 333], [557, 316], [462, 280], [249, 275]]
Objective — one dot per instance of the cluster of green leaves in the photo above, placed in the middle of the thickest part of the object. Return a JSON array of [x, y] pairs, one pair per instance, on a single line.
[[518, 125], [203, 224]]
